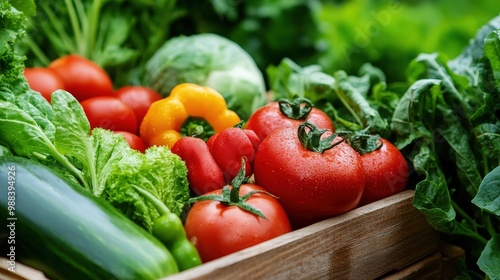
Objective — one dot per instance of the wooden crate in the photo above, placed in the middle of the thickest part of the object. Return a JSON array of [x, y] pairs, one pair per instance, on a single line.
[[373, 241], [388, 239]]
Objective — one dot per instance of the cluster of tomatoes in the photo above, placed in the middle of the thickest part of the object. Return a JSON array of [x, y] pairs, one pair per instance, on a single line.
[[120, 110], [303, 170]]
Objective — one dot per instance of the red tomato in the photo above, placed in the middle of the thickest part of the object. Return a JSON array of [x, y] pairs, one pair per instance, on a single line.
[[138, 98], [386, 172], [312, 186], [43, 80], [269, 118], [110, 113], [133, 140], [82, 77], [217, 230]]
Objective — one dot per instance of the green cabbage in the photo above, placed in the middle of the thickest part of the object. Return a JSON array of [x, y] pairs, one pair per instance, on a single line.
[[210, 60]]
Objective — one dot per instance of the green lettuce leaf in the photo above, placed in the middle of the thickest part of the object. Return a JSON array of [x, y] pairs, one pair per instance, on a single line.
[[158, 171]]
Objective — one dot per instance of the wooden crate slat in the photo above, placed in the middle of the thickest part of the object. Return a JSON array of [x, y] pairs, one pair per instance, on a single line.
[[364, 243], [430, 268]]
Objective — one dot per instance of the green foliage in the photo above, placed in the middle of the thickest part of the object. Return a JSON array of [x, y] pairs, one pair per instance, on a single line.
[[488, 195], [446, 123], [490, 257], [389, 34], [448, 128]]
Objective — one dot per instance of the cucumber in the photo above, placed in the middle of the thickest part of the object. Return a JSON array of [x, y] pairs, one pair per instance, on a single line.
[[66, 232]]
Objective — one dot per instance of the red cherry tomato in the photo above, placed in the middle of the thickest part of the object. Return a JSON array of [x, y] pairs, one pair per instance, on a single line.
[[43, 80], [110, 113], [386, 172], [82, 77], [138, 98], [217, 230], [277, 115], [311, 185], [133, 140]]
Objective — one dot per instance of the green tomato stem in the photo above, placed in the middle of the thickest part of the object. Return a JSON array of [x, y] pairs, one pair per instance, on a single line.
[[365, 143], [312, 138], [231, 197], [298, 109]]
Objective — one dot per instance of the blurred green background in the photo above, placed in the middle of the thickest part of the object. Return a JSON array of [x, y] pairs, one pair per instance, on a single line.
[[337, 34], [345, 34]]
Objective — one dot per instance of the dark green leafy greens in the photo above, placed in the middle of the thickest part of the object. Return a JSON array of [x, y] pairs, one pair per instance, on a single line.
[[446, 121], [58, 135], [488, 195], [447, 124], [348, 100]]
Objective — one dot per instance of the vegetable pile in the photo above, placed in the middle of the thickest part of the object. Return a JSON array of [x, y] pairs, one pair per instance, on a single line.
[[195, 159]]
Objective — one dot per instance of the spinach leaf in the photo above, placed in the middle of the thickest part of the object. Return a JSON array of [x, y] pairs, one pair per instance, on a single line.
[[490, 258], [432, 198], [488, 138], [354, 98], [447, 125], [36, 106], [431, 195], [433, 66], [468, 62], [492, 52], [289, 79], [345, 98], [414, 113], [457, 141], [488, 196]]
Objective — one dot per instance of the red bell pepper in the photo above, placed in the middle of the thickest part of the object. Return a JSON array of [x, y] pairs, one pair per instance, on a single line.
[[204, 174], [213, 164], [229, 146]]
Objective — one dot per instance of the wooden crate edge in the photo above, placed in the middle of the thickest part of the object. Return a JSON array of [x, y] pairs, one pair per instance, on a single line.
[[254, 261]]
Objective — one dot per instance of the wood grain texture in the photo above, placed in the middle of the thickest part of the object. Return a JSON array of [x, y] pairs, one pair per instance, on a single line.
[[430, 268], [364, 243]]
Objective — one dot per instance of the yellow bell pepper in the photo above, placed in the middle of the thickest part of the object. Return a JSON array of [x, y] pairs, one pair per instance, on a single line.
[[162, 123]]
